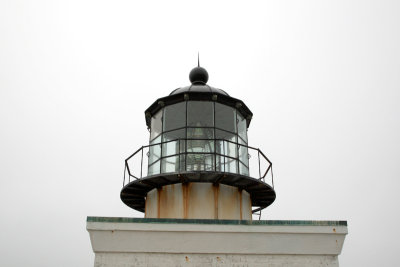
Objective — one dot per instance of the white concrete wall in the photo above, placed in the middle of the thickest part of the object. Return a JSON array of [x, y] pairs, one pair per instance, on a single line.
[[148, 243]]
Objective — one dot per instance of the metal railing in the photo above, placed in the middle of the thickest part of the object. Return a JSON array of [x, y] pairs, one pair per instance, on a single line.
[[259, 166]]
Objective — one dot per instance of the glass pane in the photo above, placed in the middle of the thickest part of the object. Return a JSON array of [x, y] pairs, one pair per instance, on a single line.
[[173, 135], [154, 168], [242, 127], [225, 117], [171, 164], [200, 114], [243, 153], [220, 164], [156, 125], [174, 116], [225, 164], [200, 146], [219, 134], [200, 133], [155, 150], [225, 147], [200, 162], [172, 147], [206, 142], [231, 165], [243, 170]]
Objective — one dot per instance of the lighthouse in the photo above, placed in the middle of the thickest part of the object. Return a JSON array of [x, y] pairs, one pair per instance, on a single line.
[[199, 184], [197, 162]]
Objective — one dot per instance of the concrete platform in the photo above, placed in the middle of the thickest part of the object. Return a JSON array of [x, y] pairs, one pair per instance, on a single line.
[[187, 242]]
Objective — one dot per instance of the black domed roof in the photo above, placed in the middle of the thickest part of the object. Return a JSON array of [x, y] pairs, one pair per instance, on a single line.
[[198, 91], [198, 77]]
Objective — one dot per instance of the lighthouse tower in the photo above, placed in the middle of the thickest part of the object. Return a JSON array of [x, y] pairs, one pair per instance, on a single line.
[[199, 183], [198, 159]]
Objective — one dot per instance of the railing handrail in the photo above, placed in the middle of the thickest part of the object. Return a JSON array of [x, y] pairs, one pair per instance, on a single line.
[[261, 177], [200, 139]]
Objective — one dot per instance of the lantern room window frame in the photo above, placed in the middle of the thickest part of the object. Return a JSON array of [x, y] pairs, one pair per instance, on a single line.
[[176, 118]]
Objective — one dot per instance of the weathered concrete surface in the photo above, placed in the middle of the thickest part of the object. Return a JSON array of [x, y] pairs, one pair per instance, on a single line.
[[198, 201], [169, 242], [215, 260]]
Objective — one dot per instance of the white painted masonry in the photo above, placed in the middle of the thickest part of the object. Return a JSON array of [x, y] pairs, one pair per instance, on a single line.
[[177, 242]]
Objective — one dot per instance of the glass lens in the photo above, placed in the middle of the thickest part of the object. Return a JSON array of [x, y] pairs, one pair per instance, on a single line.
[[200, 140], [200, 162], [200, 133]]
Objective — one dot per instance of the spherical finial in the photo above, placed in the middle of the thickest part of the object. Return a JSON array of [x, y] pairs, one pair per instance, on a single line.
[[198, 75]]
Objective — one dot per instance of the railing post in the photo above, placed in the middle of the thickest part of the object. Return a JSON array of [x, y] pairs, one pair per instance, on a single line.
[[272, 176], [141, 165], [215, 150], [259, 167], [123, 183], [161, 153], [223, 147], [179, 155]]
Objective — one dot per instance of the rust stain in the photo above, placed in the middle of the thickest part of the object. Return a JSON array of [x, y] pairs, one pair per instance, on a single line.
[[218, 259], [215, 189], [240, 200], [228, 200], [159, 201], [145, 206], [185, 200], [249, 207], [187, 258], [334, 230], [198, 200]]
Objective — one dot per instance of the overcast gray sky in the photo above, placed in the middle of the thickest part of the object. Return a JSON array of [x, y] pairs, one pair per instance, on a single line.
[[321, 77]]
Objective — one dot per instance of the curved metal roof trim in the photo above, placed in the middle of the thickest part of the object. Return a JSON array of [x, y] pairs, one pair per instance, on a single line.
[[199, 87]]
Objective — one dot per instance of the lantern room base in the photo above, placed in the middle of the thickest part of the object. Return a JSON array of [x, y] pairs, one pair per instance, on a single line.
[[126, 242], [134, 193], [198, 201]]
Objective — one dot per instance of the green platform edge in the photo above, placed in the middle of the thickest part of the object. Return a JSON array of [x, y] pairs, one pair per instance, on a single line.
[[206, 221]]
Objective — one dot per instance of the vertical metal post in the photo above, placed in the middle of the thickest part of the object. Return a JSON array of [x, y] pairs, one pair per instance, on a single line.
[[161, 137], [179, 155], [141, 164], [186, 134], [259, 168], [161, 152], [237, 142], [123, 183], [272, 175], [223, 147], [215, 142]]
